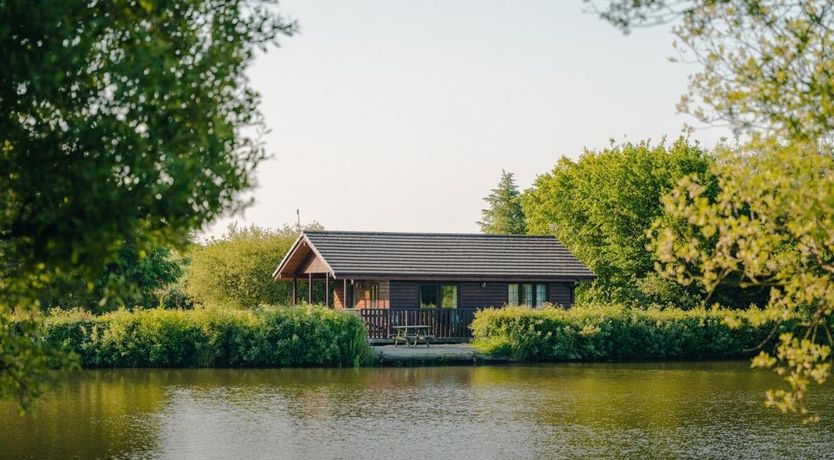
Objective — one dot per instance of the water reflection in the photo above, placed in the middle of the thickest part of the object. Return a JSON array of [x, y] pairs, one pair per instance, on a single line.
[[668, 410]]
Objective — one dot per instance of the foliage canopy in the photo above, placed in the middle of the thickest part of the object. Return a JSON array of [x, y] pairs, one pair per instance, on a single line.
[[767, 70], [602, 205], [120, 121], [133, 279], [766, 65], [771, 224], [236, 269]]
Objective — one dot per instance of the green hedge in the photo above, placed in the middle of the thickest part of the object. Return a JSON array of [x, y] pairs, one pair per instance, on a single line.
[[266, 337], [616, 332]]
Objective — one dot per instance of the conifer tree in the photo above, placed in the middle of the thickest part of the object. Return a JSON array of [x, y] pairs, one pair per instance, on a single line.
[[504, 214]]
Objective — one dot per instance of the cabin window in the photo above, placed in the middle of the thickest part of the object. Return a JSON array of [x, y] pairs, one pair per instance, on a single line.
[[541, 295], [532, 294], [428, 296], [449, 296], [527, 294], [512, 296], [366, 295]]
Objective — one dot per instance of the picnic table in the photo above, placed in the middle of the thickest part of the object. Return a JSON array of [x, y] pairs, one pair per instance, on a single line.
[[413, 332]]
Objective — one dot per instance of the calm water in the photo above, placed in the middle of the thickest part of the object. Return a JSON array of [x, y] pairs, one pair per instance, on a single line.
[[697, 410]]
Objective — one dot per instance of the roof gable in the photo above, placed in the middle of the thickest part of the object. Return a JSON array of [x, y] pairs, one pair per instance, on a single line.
[[302, 257], [450, 255]]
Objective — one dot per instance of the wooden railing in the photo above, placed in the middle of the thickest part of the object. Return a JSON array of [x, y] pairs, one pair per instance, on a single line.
[[442, 322]]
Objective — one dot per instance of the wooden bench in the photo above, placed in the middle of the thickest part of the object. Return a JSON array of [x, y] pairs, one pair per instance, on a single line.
[[409, 334]]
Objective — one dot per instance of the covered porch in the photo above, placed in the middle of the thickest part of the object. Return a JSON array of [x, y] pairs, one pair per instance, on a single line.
[[340, 293], [321, 285]]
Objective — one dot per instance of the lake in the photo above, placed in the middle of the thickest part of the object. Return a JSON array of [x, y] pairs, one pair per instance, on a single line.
[[695, 410]]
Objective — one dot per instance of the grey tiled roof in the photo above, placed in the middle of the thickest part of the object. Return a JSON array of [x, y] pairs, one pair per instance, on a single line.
[[416, 254]]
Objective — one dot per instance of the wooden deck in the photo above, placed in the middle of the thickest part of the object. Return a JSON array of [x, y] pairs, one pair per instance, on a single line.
[[445, 324]]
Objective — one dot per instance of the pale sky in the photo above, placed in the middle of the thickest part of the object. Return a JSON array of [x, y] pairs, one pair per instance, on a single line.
[[399, 115]]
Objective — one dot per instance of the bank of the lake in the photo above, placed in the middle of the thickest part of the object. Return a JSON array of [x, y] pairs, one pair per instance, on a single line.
[[685, 410], [315, 336]]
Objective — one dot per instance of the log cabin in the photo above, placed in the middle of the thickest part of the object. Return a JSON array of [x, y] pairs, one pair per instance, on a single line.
[[377, 273]]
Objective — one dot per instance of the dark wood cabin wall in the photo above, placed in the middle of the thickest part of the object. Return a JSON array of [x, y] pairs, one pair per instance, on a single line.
[[471, 294], [560, 294], [403, 294]]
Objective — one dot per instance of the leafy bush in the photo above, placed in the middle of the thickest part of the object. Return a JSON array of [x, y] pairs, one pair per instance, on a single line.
[[135, 278], [237, 269], [175, 298], [263, 337], [601, 205], [617, 332]]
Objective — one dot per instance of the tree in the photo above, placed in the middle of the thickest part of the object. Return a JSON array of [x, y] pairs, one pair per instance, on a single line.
[[768, 70], [771, 224], [767, 65], [134, 279], [504, 214], [601, 207], [119, 121], [236, 270]]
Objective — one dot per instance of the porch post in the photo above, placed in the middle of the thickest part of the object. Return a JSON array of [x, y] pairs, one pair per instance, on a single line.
[[327, 290], [294, 290], [309, 288], [344, 296]]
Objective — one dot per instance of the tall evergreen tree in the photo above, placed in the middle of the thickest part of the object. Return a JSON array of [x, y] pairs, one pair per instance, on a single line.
[[504, 214]]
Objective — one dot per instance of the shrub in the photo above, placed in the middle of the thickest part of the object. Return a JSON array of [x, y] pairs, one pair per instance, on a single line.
[[175, 298], [237, 268], [617, 332], [135, 278], [263, 337]]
